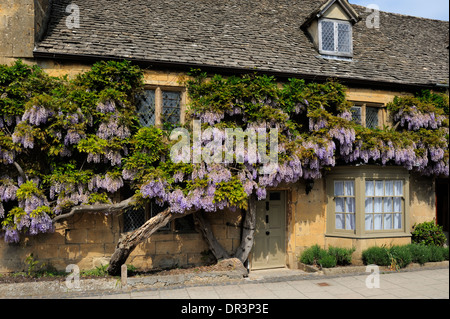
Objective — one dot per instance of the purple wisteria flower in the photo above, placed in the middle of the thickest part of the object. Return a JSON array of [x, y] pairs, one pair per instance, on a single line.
[[36, 115], [107, 106], [11, 235]]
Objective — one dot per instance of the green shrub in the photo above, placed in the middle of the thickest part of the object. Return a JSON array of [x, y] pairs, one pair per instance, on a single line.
[[343, 256], [400, 256], [312, 254], [437, 253], [420, 253], [327, 261], [428, 233], [376, 256]]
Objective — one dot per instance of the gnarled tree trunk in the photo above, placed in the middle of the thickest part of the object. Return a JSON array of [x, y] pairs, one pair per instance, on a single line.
[[204, 227], [129, 242], [248, 230]]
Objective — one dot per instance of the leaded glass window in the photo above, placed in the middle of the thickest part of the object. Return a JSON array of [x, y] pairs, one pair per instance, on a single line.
[[146, 108], [327, 36], [344, 41], [371, 117], [171, 111], [335, 37], [356, 114], [133, 219]]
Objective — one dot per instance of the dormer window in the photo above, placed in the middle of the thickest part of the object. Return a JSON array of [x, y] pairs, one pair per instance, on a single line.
[[335, 37], [330, 29]]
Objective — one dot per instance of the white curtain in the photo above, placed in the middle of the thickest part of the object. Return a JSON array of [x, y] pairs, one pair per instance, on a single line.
[[369, 188], [398, 188], [397, 205], [387, 221], [378, 205], [389, 188], [340, 205], [350, 221], [387, 204], [383, 210], [369, 205], [369, 221], [340, 223], [378, 222], [397, 221], [349, 188], [350, 204], [379, 188], [338, 188]]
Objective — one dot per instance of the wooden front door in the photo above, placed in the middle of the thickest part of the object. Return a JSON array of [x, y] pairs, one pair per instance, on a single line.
[[269, 249]]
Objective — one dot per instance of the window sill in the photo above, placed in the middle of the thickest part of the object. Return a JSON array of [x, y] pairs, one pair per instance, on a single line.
[[336, 57]]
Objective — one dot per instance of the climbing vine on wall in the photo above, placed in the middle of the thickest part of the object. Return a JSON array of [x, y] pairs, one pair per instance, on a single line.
[[71, 142]]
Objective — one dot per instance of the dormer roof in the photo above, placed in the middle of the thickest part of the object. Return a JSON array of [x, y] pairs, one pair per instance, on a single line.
[[347, 11]]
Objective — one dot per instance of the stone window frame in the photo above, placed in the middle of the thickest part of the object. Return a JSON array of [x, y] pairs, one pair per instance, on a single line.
[[359, 174], [382, 112], [335, 52], [159, 101]]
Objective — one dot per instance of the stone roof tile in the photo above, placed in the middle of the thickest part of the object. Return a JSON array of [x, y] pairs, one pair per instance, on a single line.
[[254, 34]]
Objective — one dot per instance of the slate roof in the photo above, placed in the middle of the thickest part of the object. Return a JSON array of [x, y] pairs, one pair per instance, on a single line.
[[262, 35]]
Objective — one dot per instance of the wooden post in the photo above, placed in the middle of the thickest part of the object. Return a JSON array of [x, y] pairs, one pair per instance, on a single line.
[[123, 276]]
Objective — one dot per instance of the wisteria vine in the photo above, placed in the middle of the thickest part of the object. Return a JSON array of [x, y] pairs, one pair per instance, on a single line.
[[68, 143]]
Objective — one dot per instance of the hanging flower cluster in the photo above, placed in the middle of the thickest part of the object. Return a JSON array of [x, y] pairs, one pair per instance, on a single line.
[[75, 143]]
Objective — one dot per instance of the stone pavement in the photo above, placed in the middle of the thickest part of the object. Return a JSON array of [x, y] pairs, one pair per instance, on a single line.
[[426, 283], [420, 284]]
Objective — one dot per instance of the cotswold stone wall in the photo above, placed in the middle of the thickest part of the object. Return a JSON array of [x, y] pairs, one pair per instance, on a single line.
[[22, 22], [88, 240]]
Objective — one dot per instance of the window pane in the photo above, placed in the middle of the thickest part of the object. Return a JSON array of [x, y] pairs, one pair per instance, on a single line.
[[145, 105], [338, 188], [356, 114], [340, 221], [133, 219], [378, 221], [388, 204], [369, 188], [344, 41], [389, 188], [397, 205], [388, 221], [397, 221], [349, 188], [155, 209], [369, 221], [369, 205], [350, 205], [371, 117], [171, 107], [339, 205], [379, 188], [398, 188], [378, 205], [350, 221], [185, 224], [327, 36]]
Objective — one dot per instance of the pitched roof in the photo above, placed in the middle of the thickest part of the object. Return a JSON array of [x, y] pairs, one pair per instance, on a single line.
[[262, 35]]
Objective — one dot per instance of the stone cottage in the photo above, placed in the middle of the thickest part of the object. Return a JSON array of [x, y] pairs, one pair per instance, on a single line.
[[377, 55]]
